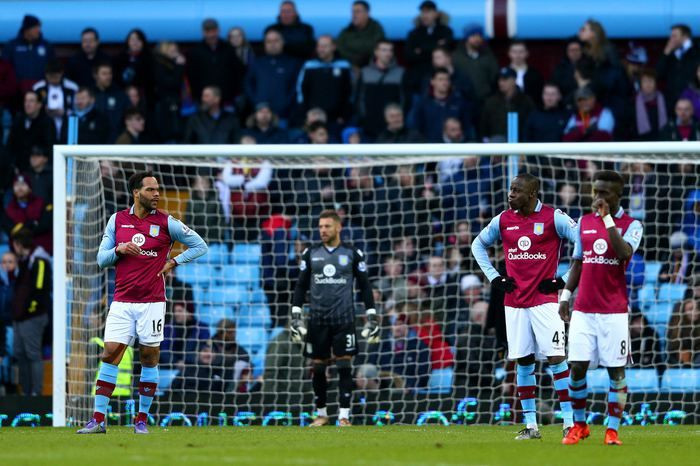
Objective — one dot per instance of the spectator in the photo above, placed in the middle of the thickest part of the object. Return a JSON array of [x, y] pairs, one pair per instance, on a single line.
[[208, 374], [134, 65], [298, 36], [644, 342], [547, 124], [401, 352], [592, 122], [203, 212], [31, 305], [379, 84], [56, 92], [110, 101], [233, 356], [30, 128], [682, 263], [451, 134], [8, 277], [440, 290], [249, 198], [442, 58], [461, 240], [134, 126], [272, 77], [26, 210], [351, 135], [359, 38], [279, 265], [635, 61], [650, 108], [684, 127], [317, 133], [691, 219], [508, 99], [475, 351], [475, 61], [568, 200], [692, 92], [214, 63], [183, 337], [40, 174], [472, 293], [168, 79], [28, 53], [263, 125], [596, 44], [678, 64], [563, 74], [528, 79], [431, 110], [93, 126], [431, 31], [81, 66], [326, 82], [430, 331], [286, 373], [684, 334], [314, 191], [240, 44], [211, 125], [396, 132], [392, 282]]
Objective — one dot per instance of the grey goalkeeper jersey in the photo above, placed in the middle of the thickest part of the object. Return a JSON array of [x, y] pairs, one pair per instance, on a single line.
[[328, 275]]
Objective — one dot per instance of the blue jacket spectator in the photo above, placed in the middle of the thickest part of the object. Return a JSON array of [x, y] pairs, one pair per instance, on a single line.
[[431, 110], [183, 338], [326, 82], [272, 77], [547, 124], [29, 53], [403, 353], [691, 219]]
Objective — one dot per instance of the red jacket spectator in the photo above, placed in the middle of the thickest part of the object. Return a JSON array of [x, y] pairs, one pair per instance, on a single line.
[[430, 333], [591, 123], [27, 210]]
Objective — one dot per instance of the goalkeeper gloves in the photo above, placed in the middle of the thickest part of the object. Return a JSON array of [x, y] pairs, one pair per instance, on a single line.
[[504, 284], [297, 328], [371, 329], [551, 285]]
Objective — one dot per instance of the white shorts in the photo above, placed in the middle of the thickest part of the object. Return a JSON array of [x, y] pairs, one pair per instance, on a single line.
[[599, 338], [535, 330], [126, 321]]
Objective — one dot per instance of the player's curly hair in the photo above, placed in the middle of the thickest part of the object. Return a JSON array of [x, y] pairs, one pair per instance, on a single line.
[[136, 180]]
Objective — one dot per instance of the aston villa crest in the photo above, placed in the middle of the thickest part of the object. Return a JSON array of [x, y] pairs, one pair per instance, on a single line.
[[343, 260], [539, 228], [155, 229]]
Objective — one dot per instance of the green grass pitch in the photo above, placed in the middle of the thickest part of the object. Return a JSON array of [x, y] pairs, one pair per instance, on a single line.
[[394, 445]]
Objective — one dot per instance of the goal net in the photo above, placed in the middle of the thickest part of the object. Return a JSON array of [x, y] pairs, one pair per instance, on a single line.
[[227, 358]]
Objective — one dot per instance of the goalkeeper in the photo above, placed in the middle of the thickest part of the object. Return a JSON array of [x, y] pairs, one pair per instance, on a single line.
[[328, 271]]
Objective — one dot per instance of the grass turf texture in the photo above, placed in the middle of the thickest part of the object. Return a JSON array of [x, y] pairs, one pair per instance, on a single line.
[[394, 445]]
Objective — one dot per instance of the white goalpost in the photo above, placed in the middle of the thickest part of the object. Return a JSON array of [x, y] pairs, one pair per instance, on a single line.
[[412, 207]]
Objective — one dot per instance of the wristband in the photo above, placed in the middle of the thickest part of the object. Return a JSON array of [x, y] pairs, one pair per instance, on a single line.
[[608, 221], [296, 310], [565, 295], [371, 311]]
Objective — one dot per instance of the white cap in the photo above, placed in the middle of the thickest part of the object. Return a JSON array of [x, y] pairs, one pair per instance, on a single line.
[[469, 281]]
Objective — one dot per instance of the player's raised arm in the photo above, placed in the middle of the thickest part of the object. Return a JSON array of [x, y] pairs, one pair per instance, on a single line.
[[625, 246], [359, 269], [488, 236], [297, 328]]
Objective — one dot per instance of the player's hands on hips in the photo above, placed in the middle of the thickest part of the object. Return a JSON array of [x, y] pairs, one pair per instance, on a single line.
[[128, 249], [564, 311], [505, 284], [371, 329], [297, 329], [169, 265], [551, 285], [601, 206]]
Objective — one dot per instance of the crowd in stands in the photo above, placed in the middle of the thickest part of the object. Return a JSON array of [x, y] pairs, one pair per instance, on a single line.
[[415, 222]]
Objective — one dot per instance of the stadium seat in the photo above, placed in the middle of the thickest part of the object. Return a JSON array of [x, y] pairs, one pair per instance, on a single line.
[[257, 315], [642, 380], [440, 382], [646, 297], [197, 274], [681, 380], [212, 315], [254, 341], [246, 253], [165, 379], [225, 295], [241, 274], [651, 273], [4, 247], [257, 296], [598, 381], [218, 254], [671, 292]]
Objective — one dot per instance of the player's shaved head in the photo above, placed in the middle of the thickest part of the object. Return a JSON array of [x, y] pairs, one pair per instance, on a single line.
[[532, 183], [610, 176]]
